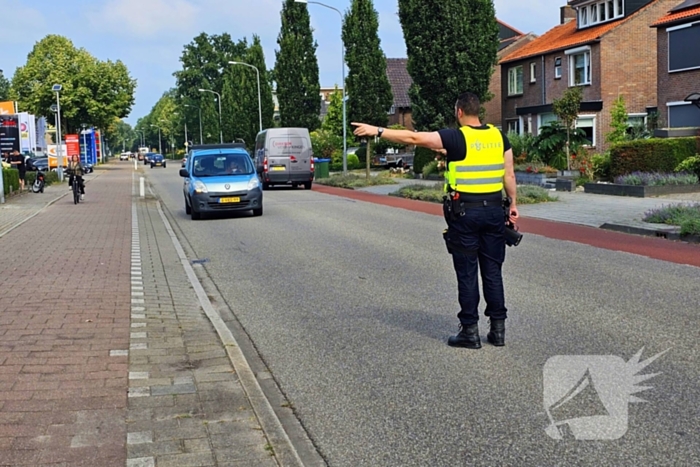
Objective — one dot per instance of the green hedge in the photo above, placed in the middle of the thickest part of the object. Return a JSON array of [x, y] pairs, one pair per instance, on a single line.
[[50, 177], [422, 157], [10, 177], [651, 155]]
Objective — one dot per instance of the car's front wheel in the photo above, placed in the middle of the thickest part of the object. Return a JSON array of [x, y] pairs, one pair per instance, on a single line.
[[188, 209], [258, 212]]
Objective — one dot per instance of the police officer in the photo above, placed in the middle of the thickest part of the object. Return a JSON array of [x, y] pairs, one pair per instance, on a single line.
[[479, 166]]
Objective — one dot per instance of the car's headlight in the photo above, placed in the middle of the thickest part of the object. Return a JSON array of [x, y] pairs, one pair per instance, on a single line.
[[253, 183], [200, 187]]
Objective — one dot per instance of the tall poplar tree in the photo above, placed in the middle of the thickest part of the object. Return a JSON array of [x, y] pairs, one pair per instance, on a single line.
[[451, 47], [368, 87], [296, 69]]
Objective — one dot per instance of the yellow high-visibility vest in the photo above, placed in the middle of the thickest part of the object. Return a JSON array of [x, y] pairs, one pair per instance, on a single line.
[[483, 168]]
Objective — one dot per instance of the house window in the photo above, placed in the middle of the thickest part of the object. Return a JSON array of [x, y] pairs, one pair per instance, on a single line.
[[392, 110], [533, 72], [587, 124], [682, 47], [683, 115], [513, 126], [545, 119], [636, 121], [579, 66], [600, 12], [515, 80], [557, 68], [525, 125]]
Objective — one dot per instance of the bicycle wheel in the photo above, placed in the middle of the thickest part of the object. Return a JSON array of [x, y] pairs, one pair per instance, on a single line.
[[76, 193]]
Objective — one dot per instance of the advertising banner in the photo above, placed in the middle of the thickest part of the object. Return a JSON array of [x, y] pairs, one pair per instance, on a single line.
[[26, 132], [7, 108], [9, 133], [51, 152], [73, 145], [89, 147]]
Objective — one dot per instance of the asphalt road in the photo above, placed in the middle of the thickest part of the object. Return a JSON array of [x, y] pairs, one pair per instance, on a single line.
[[350, 305]]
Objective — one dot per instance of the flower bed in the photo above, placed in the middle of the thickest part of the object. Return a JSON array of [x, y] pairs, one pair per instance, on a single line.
[[687, 217], [645, 184]]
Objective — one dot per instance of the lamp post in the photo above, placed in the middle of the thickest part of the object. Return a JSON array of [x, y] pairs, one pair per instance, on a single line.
[[201, 140], [221, 132], [83, 126], [160, 150], [342, 46], [257, 72], [59, 150], [142, 137]]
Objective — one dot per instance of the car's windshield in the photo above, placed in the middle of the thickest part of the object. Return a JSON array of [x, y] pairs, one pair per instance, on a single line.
[[221, 165]]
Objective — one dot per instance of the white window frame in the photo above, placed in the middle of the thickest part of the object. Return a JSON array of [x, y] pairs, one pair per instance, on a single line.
[[588, 65], [643, 115], [593, 117], [513, 121], [557, 68], [512, 81], [539, 121], [523, 122], [599, 12], [392, 110], [668, 45], [533, 72]]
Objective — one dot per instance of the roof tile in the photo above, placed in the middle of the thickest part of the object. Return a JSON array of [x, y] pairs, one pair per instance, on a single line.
[[400, 80], [673, 17]]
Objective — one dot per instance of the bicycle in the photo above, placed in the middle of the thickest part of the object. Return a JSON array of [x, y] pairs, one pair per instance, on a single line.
[[76, 190]]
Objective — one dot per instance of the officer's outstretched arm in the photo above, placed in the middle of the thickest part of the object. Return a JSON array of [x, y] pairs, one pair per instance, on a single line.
[[425, 139]]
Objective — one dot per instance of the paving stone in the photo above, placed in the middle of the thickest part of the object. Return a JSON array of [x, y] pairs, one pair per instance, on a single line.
[[174, 389], [141, 462], [139, 437]]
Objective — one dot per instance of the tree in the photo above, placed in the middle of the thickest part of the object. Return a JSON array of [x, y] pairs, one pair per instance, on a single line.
[[296, 69], [93, 92], [368, 87], [618, 123], [566, 109], [451, 47], [333, 121], [4, 88]]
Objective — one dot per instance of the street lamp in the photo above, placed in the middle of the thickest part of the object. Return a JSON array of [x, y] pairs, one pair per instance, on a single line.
[[201, 140], [257, 72], [59, 150], [142, 136], [345, 125], [160, 151], [694, 98], [221, 132]]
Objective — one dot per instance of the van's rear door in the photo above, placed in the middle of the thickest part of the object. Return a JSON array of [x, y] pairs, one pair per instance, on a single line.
[[287, 153]]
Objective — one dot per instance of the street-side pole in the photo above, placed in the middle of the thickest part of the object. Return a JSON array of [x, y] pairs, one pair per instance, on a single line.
[[201, 139], [59, 149], [221, 129], [186, 140], [345, 123], [160, 147], [259, 101]]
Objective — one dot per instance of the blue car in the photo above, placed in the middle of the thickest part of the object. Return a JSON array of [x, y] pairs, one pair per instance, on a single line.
[[221, 178], [157, 160]]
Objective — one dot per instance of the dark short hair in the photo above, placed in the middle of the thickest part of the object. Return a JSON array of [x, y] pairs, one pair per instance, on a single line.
[[469, 103]]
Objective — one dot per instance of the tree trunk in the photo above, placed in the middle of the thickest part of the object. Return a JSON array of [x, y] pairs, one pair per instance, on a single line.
[[568, 158], [368, 154]]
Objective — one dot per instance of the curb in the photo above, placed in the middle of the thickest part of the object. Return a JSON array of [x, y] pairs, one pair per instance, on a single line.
[[669, 233]]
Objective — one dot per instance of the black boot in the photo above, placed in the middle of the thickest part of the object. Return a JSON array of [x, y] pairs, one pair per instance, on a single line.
[[468, 337], [497, 335]]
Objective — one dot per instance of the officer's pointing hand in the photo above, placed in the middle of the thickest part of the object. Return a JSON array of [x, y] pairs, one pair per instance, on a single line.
[[364, 129]]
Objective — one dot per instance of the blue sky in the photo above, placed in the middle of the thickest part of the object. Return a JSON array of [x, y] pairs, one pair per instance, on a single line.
[[148, 35]]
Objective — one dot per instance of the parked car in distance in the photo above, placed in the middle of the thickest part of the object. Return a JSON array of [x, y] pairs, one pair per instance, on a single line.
[[220, 178], [157, 160], [184, 161], [124, 156], [284, 156]]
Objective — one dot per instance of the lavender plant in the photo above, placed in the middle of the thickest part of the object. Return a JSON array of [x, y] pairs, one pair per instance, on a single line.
[[687, 216], [657, 179]]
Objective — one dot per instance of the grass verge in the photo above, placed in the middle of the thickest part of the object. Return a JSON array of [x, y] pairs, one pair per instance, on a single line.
[[527, 194], [352, 181]]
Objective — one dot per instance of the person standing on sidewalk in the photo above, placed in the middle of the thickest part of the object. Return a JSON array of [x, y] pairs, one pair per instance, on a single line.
[[17, 161], [76, 169], [479, 162]]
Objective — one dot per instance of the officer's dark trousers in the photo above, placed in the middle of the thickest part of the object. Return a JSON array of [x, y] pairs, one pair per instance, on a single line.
[[481, 230]]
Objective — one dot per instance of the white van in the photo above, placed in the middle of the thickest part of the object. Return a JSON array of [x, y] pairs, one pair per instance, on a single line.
[[285, 157]]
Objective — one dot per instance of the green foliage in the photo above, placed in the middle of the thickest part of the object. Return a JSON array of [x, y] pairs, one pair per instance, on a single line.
[[94, 92], [535, 168], [333, 122], [166, 116], [361, 154], [566, 109], [50, 177], [356, 181], [296, 69], [683, 215], [531, 194], [4, 88], [452, 48], [601, 166], [550, 145], [325, 144], [430, 168], [650, 155], [527, 194], [368, 87], [691, 165], [618, 123], [657, 179], [10, 178], [422, 157], [381, 146]]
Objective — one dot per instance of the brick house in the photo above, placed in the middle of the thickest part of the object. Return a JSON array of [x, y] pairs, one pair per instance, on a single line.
[[400, 81], [604, 46], [678, 34], [511, 40]]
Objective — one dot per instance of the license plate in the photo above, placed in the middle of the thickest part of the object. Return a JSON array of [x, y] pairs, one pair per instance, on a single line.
[[229, 200], [279, 168]]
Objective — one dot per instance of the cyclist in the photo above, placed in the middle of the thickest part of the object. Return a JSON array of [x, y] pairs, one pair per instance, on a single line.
[[76, 169]]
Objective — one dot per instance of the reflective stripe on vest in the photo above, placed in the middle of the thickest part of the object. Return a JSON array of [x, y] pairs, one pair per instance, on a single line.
[[483, 168]]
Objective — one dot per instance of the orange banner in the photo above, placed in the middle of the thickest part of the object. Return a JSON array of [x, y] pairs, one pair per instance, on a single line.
[[7, 108]]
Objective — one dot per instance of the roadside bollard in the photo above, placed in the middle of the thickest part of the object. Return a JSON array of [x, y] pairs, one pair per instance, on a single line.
[[142, 187], [135, 168]]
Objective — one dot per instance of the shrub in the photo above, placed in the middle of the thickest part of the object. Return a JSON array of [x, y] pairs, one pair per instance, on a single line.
[[431, 193], [691, 165], [336, 164], [601, 166], [422, 157], [10, 178], [50, 177], [684, 215], [657, 179], [430, 168], [356, 181], [650, 155], [535, 168], [531, 194]]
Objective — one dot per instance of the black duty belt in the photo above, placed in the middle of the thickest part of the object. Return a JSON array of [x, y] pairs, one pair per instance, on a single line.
[[481, 204]]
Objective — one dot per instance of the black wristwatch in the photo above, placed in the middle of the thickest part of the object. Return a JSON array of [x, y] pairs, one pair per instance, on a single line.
[[380, 130]]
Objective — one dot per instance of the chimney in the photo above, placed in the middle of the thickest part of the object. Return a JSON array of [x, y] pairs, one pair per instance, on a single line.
[[567, 14]]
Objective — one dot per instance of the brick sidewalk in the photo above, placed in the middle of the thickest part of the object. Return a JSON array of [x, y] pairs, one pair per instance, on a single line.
[[64, 306]]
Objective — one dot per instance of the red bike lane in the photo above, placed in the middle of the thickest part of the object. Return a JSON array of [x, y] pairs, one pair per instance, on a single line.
[[651, 247]]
